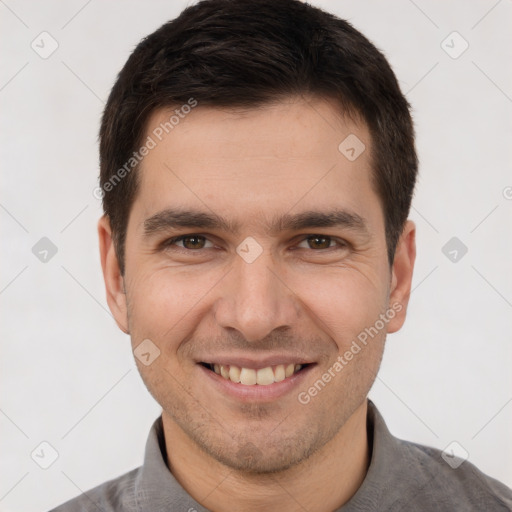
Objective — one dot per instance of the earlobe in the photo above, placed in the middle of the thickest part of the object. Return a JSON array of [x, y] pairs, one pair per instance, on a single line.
[[114, 282], [401, 275]]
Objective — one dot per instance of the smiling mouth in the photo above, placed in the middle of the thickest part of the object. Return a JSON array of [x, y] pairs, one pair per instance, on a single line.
[[252, 377]]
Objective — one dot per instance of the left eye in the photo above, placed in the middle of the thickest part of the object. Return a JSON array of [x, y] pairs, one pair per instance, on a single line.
[[318, 242]]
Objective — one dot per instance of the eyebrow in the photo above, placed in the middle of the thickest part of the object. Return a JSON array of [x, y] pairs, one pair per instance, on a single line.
[[183, 218]]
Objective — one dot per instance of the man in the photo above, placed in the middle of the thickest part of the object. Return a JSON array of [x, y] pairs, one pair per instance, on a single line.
[[257, 170]]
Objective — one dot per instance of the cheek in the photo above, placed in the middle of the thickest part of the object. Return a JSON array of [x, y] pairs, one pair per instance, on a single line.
[[164, 304], [343, 303]]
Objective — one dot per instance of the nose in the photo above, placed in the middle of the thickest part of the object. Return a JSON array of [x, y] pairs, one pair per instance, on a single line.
[[255, 299]]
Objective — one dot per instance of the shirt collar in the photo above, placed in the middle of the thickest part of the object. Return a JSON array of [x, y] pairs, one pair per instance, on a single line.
[[155, 487], [389, 475]]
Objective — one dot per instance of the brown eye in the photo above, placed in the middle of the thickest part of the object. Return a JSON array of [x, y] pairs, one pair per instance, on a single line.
[[187, 242], [193, 242], [319, 242]]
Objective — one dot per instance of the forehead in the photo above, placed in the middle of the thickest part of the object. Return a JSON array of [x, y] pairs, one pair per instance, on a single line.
[[294, 128], [291, 154]]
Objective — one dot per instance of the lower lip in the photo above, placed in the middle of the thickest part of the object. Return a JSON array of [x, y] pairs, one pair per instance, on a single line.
[[256, 392]]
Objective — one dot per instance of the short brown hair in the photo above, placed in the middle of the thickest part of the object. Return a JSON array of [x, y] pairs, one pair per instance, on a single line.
[[246, 53]]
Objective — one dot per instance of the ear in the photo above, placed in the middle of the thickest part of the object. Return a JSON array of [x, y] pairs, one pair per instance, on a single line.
[[401, 276], [114, 282]]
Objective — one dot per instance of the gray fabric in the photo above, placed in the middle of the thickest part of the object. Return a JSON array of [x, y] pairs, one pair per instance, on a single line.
[[402, 476]]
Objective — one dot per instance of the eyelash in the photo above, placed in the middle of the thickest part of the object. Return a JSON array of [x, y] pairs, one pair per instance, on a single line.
[[342, 244]]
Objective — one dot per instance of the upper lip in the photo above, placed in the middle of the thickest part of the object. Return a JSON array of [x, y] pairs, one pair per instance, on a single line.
[[255, 363]]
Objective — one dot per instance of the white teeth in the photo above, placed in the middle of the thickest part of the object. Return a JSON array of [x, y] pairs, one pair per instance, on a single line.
[[250, 377], [265, 376], [234, 373], [279, 373]]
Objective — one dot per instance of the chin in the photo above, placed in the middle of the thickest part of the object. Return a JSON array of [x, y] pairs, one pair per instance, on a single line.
[[264, 455]]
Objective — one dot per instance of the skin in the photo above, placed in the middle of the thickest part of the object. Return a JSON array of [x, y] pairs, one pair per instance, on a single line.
[[297, 297]]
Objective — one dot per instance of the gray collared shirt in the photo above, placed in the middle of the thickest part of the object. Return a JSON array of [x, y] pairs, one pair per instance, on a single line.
[[402, 476]]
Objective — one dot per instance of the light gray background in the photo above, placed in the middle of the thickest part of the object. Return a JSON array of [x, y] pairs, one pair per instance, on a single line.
[[68, 376]]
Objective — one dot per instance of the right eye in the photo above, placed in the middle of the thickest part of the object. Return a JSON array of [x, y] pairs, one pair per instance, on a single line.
[[190, 242]]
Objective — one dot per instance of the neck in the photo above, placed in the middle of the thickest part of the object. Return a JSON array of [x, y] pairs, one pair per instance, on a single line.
[[322, 483]]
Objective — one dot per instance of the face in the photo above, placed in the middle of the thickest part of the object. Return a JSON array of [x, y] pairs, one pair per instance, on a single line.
[[256, 251]]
